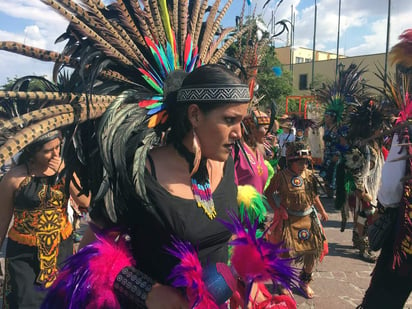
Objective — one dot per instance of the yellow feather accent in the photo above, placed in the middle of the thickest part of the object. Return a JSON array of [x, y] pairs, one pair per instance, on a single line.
[[246, 194], [166, 22]]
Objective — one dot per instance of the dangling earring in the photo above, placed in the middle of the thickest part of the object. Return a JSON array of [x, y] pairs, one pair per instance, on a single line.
[[198, 153]]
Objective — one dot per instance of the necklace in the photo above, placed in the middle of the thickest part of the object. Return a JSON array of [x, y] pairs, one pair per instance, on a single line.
[[200, 182], [251, 156]]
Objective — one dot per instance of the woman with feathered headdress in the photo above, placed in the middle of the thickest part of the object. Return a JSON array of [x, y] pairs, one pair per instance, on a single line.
[[154, 121]]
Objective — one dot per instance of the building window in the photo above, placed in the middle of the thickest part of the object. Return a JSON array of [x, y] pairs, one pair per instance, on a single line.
[[303, 81], [299, 60], [308, 60]]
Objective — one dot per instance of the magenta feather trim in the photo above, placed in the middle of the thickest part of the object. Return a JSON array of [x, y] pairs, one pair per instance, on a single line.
[[189, 274], [255, 259], [86, 280]]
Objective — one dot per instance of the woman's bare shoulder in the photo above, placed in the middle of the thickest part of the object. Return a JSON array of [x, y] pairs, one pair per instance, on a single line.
[[15, 176]]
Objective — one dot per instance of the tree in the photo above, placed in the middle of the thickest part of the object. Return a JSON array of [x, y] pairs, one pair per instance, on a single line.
[[273, 87]]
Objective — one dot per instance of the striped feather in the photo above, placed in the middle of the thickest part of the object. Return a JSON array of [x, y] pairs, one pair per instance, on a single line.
[[158, 22], [215, 27], [229, 42], [213, 47], [183, 6], [208, 34], [196, 33], [87, 31], [37, 53], [194, 16]]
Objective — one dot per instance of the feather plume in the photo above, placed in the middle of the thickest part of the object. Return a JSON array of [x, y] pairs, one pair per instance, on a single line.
[[189, 275], [86, 280], [264, 260], [252, 203]]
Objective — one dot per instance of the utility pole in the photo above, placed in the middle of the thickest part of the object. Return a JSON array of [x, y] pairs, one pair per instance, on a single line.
[[388, 30], [337, 44], [314, 46]]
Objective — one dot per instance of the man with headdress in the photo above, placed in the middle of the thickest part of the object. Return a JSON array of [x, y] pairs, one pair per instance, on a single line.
[[360, 171], [391, 282], [330, 154]]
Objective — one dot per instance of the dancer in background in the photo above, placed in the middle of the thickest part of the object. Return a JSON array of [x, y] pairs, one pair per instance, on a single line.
[[296, 220], [391, 282], [40, 237]]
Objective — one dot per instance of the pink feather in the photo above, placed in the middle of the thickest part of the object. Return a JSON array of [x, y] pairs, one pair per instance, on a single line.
[[105, 266]]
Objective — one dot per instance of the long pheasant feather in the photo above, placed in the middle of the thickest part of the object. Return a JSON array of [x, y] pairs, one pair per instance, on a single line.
[[37, 53], [208, 35], [229, 42], [158, 22], [194, 16], [183, 6], [216, 25], [87, 31], [196, 33], [213, 47]]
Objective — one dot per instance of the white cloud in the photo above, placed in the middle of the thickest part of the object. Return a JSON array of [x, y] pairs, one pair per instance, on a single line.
[[363, 27]]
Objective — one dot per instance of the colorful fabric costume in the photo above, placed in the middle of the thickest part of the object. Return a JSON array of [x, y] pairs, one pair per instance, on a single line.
[[301, 231], [39, 240], [251, 170]]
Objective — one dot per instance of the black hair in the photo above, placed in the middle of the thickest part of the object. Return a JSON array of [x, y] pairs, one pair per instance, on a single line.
[[205, 75]]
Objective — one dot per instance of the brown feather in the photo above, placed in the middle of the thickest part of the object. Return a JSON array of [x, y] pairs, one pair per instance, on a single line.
[[217, 42], [175, 17], [199, 23], [183, 7], [229, 42], [150, 21], [194, 16], [160, 32], [208, 35], [101, 43], [215, 26], [37, 53]]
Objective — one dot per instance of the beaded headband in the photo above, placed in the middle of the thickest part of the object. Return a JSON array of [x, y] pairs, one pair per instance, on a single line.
[[261, 118], [214, 94]]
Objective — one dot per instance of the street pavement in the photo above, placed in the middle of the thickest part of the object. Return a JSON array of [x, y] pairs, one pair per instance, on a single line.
[[340, 280]]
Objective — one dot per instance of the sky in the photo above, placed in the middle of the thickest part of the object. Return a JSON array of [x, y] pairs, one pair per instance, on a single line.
[[363, 27]]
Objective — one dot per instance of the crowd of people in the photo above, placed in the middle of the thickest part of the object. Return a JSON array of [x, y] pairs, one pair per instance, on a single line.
[[162, 169]]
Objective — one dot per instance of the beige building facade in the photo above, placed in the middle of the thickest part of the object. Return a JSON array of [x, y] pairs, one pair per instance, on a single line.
[[325, 68]]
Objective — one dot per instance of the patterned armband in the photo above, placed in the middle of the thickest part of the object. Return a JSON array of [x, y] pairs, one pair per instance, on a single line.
[[133, 286]]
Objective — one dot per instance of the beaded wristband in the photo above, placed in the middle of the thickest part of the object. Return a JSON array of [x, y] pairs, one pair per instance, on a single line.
[[132, 286]]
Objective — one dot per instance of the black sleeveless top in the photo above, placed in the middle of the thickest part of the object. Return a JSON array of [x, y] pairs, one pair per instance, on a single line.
[[183, 219]]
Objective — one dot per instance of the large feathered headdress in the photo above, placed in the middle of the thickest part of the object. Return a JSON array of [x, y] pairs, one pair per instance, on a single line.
[[117, 54], [346, 89]]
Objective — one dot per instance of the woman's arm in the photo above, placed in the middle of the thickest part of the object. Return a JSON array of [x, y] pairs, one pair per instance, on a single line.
[[83, 201], [319, 207], [7, 188]]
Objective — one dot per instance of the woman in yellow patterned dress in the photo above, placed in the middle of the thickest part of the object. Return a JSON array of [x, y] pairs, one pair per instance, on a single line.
[[39, 239]]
